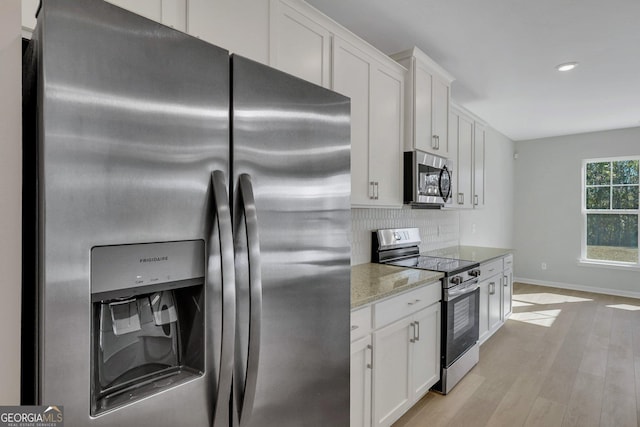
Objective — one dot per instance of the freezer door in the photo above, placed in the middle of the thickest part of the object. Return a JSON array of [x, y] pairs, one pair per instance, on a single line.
[[133, 120], [291, 160]]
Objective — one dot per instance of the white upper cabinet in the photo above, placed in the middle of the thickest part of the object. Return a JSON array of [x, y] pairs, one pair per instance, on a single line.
[[29, 8], [312, 46], [240, 26], [479, 136], [461, 142], [467, 141], [427, 99], [299, 44], [376, 92], [385, 142], [172, 13], [351, 77]]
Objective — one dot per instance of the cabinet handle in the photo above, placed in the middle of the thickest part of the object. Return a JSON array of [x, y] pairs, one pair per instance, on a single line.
[[372, 194], [370, 364], [417, 327], [413, 302], [413, 332], [506, 281], [436, 142], [461, 198], [492, 288], [354, 327], [475, 200], [377, 189]]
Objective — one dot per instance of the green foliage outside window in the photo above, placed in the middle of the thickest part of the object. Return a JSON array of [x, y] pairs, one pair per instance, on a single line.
[[611, 188]]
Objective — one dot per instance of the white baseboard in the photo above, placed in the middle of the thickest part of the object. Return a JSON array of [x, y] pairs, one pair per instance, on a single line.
[[606, 291]]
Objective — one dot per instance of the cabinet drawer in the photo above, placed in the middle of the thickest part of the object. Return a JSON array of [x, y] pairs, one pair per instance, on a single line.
[[490, 269], [508, 262], [360, 323], [405, 304]]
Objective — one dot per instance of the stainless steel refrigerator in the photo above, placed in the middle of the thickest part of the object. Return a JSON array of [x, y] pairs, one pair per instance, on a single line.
[[187, 215]]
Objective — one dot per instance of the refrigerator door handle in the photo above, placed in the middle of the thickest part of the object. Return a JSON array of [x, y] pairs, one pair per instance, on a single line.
[[225, 377], [248, 210]]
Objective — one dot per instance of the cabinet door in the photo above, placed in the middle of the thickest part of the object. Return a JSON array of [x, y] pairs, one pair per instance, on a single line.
[[298, 45], [172, 13], [361, 364], [422, 109], [484, 311], [391, 388], [464, 197], [426, 351], [478, 170], [507, 293], [385, 136], [495, 302], [440, 115], [351, 77]]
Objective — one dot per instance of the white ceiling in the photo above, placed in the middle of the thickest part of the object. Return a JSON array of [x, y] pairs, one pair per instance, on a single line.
[[503, 54]]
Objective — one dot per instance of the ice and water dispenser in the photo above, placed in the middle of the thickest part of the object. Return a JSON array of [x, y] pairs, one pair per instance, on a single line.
[[147, 321]]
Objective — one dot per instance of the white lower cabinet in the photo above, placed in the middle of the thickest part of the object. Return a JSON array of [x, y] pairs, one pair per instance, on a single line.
[[407, 363], [392, 354], [507, 293], [496, 291], [406, 351], [361, 365], [425, 364], [395, 355]]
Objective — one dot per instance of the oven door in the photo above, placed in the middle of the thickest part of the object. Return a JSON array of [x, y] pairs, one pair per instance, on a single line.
[[461, 317]]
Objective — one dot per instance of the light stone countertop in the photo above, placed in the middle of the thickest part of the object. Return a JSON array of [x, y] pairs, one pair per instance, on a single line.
[[480, 254], [373, 282]]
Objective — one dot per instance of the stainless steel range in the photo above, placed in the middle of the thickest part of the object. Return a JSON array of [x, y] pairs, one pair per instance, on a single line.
[[460, 299]]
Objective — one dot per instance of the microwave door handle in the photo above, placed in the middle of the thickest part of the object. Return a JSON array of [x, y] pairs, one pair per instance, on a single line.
[[444, 171], [249, 212], [224, 235]]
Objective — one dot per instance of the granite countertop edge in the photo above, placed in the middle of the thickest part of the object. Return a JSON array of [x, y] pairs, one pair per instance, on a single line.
[[371, 283]]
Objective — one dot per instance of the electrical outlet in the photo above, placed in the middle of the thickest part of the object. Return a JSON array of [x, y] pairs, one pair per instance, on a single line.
[[543, 266]]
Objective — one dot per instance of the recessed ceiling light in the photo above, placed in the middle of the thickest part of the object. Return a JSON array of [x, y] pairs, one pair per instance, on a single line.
[[567, 66]]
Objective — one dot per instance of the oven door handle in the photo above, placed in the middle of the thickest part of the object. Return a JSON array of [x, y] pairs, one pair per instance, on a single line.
[[465, 288]]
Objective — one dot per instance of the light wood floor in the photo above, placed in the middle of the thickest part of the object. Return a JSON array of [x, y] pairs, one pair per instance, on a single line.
[[564, 358]]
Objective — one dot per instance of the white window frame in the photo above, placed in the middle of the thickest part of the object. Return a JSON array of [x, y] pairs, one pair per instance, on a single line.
[[584, 212]]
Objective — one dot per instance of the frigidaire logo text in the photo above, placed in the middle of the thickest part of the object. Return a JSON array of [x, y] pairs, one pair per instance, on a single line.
[[154, 259]]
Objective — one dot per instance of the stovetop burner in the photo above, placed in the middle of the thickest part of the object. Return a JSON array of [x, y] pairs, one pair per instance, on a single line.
[[448, 266], [400, 247]]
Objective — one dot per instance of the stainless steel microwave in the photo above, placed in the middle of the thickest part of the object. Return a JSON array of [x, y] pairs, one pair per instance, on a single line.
[[427, 180]]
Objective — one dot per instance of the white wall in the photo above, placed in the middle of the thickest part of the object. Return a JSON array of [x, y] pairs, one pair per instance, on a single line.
[[10, 199], [494, 223], [548, 220]]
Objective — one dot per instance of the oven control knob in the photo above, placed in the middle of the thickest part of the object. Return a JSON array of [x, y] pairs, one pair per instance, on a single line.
[[456, 280], [474, 273]]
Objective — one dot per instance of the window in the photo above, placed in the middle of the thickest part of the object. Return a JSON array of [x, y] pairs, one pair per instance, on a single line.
[[610, 210]]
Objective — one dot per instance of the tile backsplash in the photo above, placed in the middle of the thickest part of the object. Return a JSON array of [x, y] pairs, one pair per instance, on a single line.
[[438, 228]]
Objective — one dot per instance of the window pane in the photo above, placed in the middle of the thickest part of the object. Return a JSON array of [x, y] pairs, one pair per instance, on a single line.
[[612, 237], [625, 197], [598, 173], [625, 172], [598, 197]]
